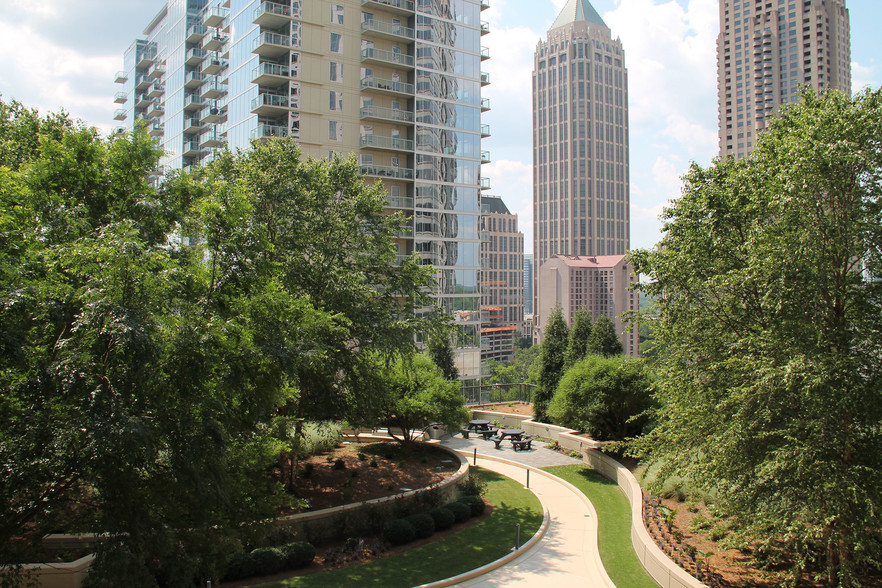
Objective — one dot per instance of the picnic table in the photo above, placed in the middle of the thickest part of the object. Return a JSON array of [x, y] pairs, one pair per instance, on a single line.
[[478, 425], [514, 434], [489, 432]]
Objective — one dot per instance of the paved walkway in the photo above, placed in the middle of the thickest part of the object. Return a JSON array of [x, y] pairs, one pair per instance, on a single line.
[[568, 552]]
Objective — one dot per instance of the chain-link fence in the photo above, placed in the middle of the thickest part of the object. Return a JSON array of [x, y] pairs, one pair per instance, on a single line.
[[490, 393]]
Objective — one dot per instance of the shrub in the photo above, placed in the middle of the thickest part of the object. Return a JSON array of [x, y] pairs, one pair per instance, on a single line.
[[298, 554], [307, 470], [423, 524], [339, 465], [472, 486], [241, 566], [475, 503], [319, 437], [269, 560], [460, 511], [399, 532], [443, 518]]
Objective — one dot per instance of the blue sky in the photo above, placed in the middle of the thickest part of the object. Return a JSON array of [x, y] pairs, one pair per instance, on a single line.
[[63, 54]]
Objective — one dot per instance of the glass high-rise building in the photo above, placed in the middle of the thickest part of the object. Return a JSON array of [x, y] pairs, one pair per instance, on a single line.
[[397, 82], [581, 194], [766, 50]]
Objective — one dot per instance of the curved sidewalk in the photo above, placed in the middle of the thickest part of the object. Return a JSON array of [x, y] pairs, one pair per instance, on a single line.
[[568, 552]]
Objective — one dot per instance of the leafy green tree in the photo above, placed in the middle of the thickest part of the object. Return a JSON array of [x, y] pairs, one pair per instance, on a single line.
[[419, 395], [769, 334], [441, 351], [607, 398], [603, 340], [579, 336], [550, 362]]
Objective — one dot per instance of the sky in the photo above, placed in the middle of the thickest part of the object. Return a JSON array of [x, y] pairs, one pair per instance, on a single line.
[[63, 54]]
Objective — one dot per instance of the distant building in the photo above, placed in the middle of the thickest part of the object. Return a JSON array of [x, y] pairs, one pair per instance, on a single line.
[[502, 285], [528, 283], [765, 51], [599, 284]]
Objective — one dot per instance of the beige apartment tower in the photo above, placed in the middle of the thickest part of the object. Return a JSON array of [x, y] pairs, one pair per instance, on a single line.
[[766, 50]]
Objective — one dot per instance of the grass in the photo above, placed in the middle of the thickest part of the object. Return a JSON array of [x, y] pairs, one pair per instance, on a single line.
[[614, 513], [458, 552]]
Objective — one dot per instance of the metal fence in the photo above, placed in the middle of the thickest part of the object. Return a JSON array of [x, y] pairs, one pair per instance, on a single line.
[[490, 393]]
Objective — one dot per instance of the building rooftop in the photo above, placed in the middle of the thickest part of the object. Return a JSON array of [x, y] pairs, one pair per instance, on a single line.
[[590, 260], [577, 10], [493, 204]]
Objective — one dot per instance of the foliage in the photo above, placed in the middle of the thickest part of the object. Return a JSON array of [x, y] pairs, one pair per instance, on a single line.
[[461, 512], [443, 518], [603, 339], [475, 503], [606, 398], [298, 554], [418, 394], [515, 371], [441, 350], [550, 362], [768, 334], [399, 532], [472, 486], [423, 524], [577, 345]]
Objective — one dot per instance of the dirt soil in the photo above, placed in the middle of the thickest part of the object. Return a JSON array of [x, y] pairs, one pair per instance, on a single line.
[[509, 407]]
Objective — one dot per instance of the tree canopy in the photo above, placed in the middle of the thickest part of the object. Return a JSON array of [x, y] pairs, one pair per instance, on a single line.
[[577, 345], [604, 340], [550, 361], [769, 333]]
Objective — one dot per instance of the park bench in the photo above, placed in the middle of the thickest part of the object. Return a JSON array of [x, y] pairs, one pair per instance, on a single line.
[[497, 439], [491, 432], [523, 444]]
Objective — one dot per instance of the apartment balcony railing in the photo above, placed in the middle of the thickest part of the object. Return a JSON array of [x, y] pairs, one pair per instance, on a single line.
[[194, 103], [381, 142], [120, 97], [400, 6], [196, 32], [267, 73], [157, 89], [485, 157], [272, 14], [485, 78], [271, 44], [157, 71], [485, 131], [485, 104], [386, 29], [383, 113], [143, 101], [191, 148], [383, 85], [142, 82], [121, 77], [267, 131], [485, 53], [214, 91], [485, 27], [192, 125], [215, 16], [119, 114], [195, 56], [386, 171], [194, 79], [156, 110], [485, 4], [485, 183], [214, 115], [214, 66], [381, 56], [214, 42], [400, 202], [213, 140], [404, 232], [157, 130], [270, 103]]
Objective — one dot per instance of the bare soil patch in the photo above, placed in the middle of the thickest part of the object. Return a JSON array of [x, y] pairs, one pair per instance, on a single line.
[[507, 407]]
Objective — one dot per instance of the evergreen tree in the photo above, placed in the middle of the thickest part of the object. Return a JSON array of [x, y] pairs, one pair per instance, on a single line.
[[579, 334], [551, 361], [603, 339], [441, 351]]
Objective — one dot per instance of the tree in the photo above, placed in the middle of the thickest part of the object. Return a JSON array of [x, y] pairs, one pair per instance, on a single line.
[[419, 395], [769, 334], [551, 362], [603, 340], [441, 351], [579, 337], [608, 398], [517, 370]]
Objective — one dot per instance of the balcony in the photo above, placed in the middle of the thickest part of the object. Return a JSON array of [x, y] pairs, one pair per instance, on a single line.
[[142, 82], [156, 130], [195, 33], [371, 55], [214, 90], [270, 104], [485, 79], [387, 171], [195, 56], [215, 16], [267, 131], [399, 202], [485, 27], [121, 77], [213, 140], [156, 90], [157, 71], [485, 104], [272, 15], [143, 101], [156, 110], [485, 53], [382, 113], [485, 157], [485, 4], [485, 183], [214, 115], [192, 126], [271, 45], [194, 79], [214, 42], [119, 114], [191, 148], [391, 143], [404, 232], [120, 97], [485, 131], [386, 30], [394, 6], [214, 66], [145, 59], [386, 86], [192, 103], [267, 74]]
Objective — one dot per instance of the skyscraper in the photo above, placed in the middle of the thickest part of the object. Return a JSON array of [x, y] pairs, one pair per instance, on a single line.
[[766, 50], [581, 195], [396, 82]]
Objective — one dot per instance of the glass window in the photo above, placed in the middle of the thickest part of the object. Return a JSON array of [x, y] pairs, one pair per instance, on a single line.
[[336, 43]]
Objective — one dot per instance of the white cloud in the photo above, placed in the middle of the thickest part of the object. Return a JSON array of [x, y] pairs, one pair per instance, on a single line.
[[863, 76], [513, 182], [696, 138], [666, 176]]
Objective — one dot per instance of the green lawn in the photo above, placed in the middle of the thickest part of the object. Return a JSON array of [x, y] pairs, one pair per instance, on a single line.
[[614, 512], [459, 552]]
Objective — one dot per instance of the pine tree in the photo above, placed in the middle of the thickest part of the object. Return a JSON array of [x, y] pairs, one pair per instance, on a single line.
[[603, 339], [551, 361], [579, 334]]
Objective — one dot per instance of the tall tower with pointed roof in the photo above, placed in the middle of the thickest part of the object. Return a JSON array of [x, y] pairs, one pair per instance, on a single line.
[[581, 194]]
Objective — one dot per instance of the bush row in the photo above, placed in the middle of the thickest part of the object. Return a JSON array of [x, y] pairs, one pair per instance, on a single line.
[[422, 525], [264, 561]]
